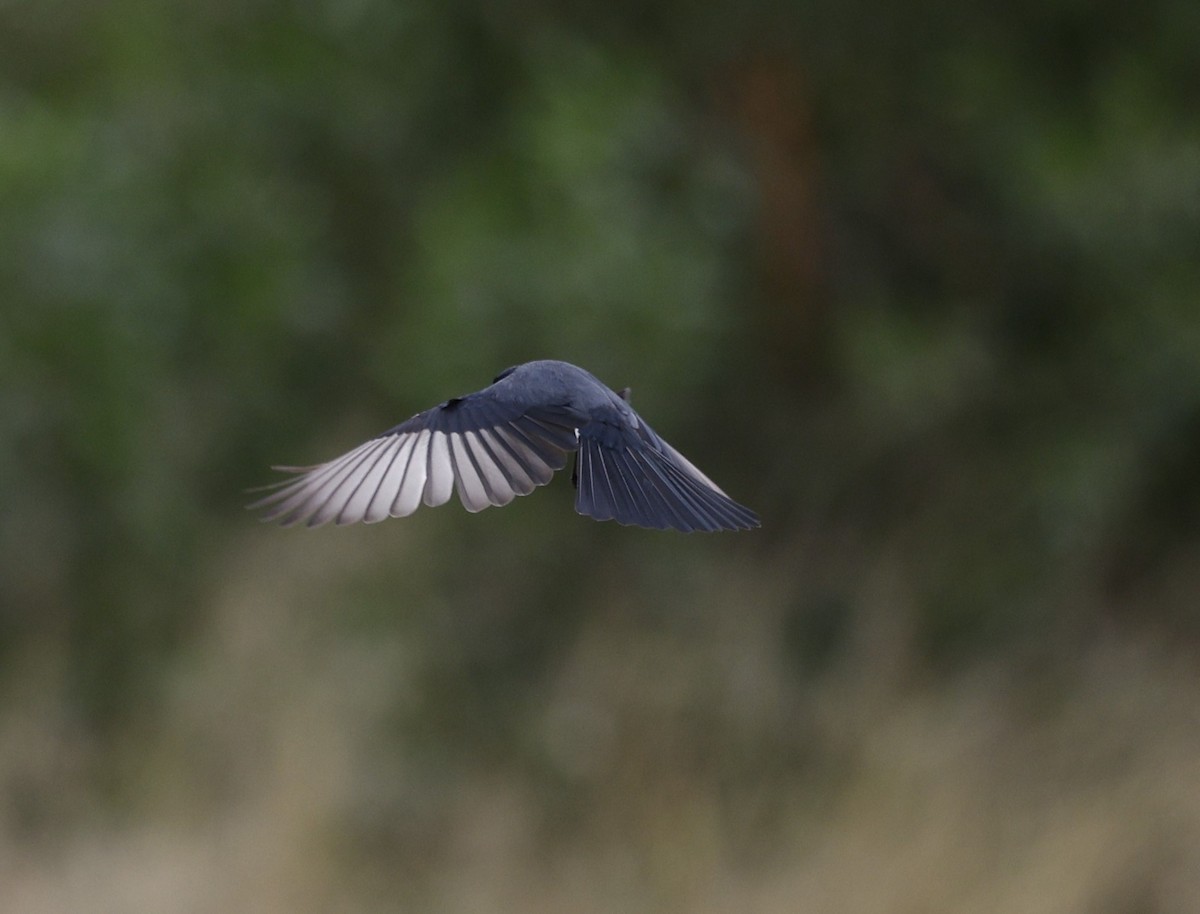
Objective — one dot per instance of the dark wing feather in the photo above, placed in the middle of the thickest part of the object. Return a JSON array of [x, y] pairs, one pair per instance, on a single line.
[[627, 473]]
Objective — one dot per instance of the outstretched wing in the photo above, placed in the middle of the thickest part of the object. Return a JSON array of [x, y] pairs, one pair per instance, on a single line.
[[489, 450], [629, 474]]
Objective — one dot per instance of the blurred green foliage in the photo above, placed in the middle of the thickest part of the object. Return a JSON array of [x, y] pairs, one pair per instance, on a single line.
[[948, 298], [920, 284]]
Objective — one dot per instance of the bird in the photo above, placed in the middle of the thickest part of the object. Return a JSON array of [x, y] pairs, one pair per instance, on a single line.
[[506, 440]]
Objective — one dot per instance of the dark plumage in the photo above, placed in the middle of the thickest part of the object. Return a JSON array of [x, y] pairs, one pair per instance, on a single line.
[[504, 441]]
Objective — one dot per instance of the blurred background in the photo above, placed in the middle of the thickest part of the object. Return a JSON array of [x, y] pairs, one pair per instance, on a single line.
[[920, 284]]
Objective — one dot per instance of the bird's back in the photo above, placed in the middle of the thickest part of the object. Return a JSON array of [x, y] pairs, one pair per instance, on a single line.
[[549, 382]]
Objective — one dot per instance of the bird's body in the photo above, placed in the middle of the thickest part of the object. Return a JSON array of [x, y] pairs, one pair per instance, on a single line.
[[504, 441]]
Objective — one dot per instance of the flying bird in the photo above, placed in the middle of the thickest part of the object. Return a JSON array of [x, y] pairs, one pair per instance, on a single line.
[[504, 441]]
